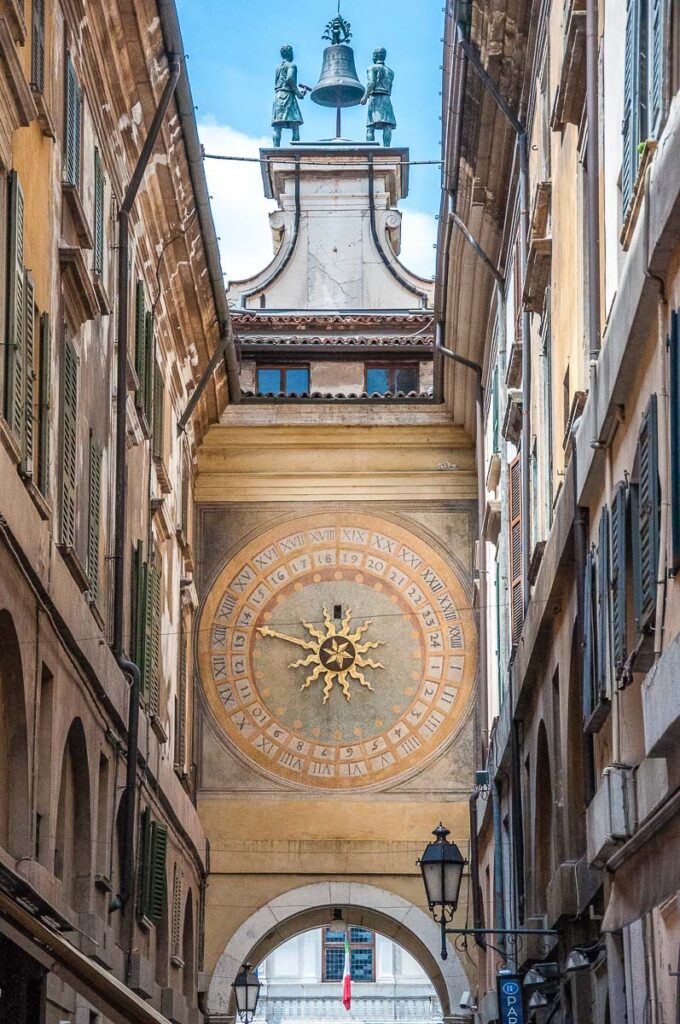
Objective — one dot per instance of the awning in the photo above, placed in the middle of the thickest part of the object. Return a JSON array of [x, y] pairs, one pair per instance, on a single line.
[[646, 870], [108, 995]]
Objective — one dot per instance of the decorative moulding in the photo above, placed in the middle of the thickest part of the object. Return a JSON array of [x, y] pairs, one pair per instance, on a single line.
[[14, 75], [257, 320], [12, 11], [570, 96], [80, 296], [71, 194], [44, 116]]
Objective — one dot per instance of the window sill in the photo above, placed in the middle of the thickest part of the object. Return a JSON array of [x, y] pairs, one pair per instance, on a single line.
[[104, 301], [71, 194], [9, 442], [11, 9], [597, 717], [162, 475], [38, 499], [44, 116], [102, 883], [157, 727], [631, 217], [177, 961], [161, 518], [80, 295], [75, 566]]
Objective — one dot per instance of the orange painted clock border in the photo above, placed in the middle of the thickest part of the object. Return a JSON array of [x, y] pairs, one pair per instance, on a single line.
[[304, 551]]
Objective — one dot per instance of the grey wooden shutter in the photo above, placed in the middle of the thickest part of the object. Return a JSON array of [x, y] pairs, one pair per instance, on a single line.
[[657, 53], [631, 102], [16, 309], [158, 412], [98, 214], [181, 723], [619, 533], [94, 517], [646, 530], [45, 354], [69, 440], [674, 371], [154, 638], [38, 46], [603, 577], [73, 117], [137, 605], [176, 927], [589, 614], [140, 344], [29, 376]]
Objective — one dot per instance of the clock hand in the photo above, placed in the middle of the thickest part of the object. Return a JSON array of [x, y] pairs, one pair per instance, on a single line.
[[266, 631]]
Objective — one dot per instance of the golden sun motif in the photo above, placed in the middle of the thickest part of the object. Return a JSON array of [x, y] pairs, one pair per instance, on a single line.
[[336, 653]]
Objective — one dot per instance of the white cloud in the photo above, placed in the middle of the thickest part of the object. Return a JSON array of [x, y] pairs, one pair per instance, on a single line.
[[240, 209]]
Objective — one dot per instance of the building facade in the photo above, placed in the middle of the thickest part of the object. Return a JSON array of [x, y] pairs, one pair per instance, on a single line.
[[561, 154], [102, 853], [335, 642]]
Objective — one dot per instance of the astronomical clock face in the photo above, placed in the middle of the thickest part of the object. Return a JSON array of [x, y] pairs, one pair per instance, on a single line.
[[337, 652]]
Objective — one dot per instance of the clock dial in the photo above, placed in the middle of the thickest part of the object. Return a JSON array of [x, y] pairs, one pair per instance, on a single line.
[[337, 651]]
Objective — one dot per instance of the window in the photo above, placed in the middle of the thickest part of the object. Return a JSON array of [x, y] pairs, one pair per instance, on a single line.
[[390, 380], [43, 409], [145, 624], [144, 354], [516, 581], [94, 517], [73, 114], [99, 183], [645, 512], [283, 380], [674, 356], [69, 442], [644, 84], [38, 46], [152, 889], [361, 953]]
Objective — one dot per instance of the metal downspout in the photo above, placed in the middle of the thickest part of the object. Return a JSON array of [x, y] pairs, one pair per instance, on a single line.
[[526, 371], [477, 903], [126, 666], [593, 157], [517, 820]]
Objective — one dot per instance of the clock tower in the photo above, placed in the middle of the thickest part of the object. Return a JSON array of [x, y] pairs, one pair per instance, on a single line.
[[335, 650]]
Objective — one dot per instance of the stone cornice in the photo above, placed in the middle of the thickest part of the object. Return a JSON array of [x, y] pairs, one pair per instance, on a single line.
[[420, 341], [357, 320]]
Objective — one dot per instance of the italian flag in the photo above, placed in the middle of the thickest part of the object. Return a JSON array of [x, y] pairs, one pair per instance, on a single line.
[[347, 976]]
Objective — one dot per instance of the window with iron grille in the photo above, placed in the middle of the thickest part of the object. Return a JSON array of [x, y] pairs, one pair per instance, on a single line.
[[361, 954]]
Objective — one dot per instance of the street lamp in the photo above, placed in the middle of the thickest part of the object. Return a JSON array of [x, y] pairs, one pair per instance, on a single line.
[[442, 866], [246, 988]]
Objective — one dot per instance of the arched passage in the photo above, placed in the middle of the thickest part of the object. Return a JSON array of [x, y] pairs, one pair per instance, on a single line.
[[14, 805], [311, 906], [72, 850]]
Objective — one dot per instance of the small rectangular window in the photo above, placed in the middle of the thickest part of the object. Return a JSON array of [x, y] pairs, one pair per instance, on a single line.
[[283, 380], [361, 952], [392, 380]]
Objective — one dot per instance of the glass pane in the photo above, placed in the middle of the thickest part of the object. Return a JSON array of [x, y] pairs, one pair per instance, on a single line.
[[362, 964], [360, 935], [297, 381], [335, 964], [335, 936], [269, 382], [406, 378], [377, 380]]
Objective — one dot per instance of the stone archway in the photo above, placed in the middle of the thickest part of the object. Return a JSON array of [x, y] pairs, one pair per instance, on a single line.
[[310, 906]]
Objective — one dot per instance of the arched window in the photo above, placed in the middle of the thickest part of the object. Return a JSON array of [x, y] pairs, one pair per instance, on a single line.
[[14, 809], [543, 821], [73, 840]]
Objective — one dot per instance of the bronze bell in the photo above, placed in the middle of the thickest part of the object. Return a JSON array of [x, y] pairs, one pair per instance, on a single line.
[[338, 84]]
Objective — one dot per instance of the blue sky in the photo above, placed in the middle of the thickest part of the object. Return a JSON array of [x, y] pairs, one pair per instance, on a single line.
[[233, 48]]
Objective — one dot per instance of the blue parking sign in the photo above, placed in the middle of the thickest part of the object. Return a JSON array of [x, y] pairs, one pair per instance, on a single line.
[[510, 999]]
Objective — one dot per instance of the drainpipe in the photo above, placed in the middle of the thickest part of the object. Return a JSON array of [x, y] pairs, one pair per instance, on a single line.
[[483, 698], [517, 820], [126, 666], [522, 144], [499, 883], [477, 904], [593, 157]]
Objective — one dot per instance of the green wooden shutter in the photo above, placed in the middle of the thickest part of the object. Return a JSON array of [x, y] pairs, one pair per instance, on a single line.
[[16, 309], [186, 498], [156, 907], [619, 531], [29, 376], [144, 862], [145, 653], [674, 370], [138, 606], [98, 214], [148, 370], [516, 582], [657, 48], [631, 102], [153, 640], [38, 46], [158, 412], [45, 354], [69, 444], [589, 615], [94, 517], [73, 117], [646, 530], [140, 344], [603, 577]]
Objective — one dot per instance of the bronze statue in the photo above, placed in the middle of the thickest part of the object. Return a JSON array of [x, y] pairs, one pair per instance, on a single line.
[[286, 109], [377, 95]]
